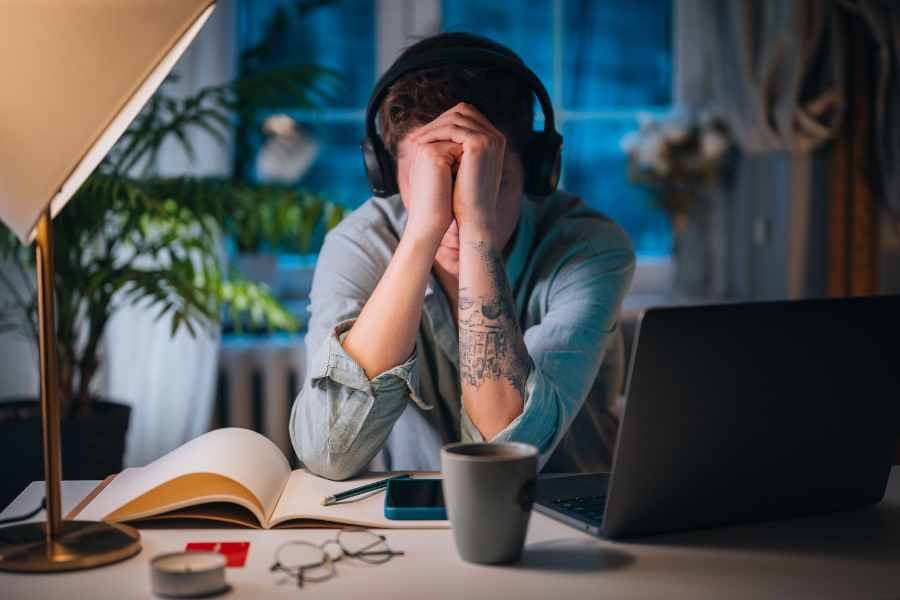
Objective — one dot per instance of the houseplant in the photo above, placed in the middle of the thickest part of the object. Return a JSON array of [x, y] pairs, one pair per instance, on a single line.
[[681, 157], [129, 236], [673, 155], [270, 218]]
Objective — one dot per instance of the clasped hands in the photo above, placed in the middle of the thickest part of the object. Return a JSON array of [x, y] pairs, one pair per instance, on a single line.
[[461, 142]]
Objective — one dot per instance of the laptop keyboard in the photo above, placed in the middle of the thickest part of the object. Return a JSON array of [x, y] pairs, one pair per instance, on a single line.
[[589, 507]]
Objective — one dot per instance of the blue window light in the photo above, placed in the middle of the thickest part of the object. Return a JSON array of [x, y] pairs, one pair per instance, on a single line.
[[602, 61]]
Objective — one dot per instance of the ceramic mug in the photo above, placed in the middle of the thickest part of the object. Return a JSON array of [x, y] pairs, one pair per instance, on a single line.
[[489, 490]]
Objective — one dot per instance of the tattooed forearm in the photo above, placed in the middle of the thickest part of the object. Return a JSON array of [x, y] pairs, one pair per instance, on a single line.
[[465, 301], [490, 342]]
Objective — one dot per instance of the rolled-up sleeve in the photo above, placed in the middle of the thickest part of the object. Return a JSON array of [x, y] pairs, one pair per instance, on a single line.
[[341, 420], [568, 346], [540, 410]]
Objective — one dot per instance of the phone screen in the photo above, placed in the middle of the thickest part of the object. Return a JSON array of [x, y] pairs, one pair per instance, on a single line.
[[415, 493]]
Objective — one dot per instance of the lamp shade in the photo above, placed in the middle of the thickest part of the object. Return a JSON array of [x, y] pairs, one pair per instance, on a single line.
[[73, 75]]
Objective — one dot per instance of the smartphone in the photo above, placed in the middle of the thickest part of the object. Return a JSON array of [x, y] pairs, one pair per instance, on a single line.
[[416, 499]]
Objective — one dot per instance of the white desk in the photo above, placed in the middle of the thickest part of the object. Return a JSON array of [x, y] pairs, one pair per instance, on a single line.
[[847, 555]]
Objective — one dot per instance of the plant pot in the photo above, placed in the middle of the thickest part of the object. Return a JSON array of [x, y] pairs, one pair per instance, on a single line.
[[92, 447]]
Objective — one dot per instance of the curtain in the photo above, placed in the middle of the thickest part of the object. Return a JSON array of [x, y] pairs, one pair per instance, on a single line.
[[853, 250], [778, 71], [169, 381], [774, 69], [19, 375], [882, 19]]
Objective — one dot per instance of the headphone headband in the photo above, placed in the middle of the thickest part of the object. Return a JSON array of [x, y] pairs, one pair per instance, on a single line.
[[457, 55]]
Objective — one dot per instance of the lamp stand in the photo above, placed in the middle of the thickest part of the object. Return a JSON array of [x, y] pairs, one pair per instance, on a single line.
[[57, 545]]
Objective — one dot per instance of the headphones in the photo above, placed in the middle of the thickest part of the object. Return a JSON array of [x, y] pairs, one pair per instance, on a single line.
[[542, 159]]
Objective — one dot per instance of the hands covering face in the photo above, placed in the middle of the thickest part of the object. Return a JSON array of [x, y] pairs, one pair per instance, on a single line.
[[462, 142]]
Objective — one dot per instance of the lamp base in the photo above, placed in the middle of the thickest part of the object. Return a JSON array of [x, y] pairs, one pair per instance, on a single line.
[[81, 545]]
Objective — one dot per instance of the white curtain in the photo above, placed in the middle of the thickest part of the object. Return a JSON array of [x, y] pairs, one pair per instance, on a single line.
[[170, 382], [777, 71], [19, 375]]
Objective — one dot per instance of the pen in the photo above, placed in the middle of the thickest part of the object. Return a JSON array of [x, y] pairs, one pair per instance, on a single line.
[[361, 490]]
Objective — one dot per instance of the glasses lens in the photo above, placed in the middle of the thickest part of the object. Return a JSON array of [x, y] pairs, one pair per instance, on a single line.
[[364, 545], [305, 560]]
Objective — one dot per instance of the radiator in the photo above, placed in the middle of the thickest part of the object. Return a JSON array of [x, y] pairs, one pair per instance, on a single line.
[[259, 377]]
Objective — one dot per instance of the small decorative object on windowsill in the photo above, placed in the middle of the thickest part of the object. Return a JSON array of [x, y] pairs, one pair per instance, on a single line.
[[679, 157], [675, 153], [288, 152]]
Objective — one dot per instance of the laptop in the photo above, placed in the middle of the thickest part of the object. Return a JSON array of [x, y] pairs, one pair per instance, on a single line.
[[746, 412]]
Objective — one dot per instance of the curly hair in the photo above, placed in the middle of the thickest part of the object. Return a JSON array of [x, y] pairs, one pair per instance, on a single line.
[[419, 97]]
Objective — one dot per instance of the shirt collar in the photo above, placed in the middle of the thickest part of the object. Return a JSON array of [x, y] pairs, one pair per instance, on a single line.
[[518, 256]]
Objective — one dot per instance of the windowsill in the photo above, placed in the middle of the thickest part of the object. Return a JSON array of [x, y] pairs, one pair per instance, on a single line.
[[653, 275], [651, 286]]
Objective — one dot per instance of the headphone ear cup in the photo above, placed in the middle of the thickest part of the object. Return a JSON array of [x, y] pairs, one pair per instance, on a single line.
[[389, 168], [543, 162], [379, 165]]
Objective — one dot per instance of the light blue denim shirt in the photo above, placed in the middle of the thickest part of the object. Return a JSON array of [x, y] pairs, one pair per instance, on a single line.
[[569, 269]]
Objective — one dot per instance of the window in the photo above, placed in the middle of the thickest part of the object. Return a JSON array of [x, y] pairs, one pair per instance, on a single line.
[[602, 62], [340, 36]]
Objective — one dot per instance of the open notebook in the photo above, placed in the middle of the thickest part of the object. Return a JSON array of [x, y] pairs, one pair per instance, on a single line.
[[239, 476]]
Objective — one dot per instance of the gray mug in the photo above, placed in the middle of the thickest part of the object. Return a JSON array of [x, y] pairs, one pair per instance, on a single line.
[[489, 489]]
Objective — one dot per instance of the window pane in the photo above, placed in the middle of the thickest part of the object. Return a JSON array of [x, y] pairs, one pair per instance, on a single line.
[[617, 54], [525, 26], [339, 35], [338, 170], [594, 168]]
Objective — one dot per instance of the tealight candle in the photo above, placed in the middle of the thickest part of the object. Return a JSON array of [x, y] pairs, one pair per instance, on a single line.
[[188, 574]]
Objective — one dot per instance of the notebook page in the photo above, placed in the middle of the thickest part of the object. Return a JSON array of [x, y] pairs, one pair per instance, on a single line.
[[244, 456], [301, 495], [107, 500]]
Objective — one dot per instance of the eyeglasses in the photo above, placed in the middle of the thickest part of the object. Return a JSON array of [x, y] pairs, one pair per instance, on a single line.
[[307, 562]]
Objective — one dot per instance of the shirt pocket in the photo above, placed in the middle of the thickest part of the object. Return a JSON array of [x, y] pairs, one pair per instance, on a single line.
[[354, 410]]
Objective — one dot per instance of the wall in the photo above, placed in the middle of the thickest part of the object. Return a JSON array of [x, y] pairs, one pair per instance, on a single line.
[[18, 355]]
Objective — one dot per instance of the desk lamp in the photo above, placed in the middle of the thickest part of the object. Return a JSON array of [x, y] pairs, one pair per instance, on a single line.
[[73, 75]]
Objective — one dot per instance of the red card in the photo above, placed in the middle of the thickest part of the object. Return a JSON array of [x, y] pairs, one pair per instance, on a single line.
[[235, 552]]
